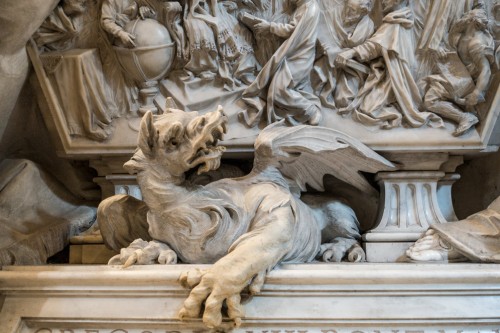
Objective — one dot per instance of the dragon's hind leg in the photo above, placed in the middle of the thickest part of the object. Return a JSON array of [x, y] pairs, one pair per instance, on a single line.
[[340, 234], [340, 249]]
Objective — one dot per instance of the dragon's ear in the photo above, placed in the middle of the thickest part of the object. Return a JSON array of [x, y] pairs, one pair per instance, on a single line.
[[148, 135]]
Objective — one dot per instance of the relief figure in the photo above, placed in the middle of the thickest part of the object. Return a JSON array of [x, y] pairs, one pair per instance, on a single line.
[[143, 47], [337, 87], [440, 17], [115, 14], [279, 92], [436, 19], [390, 94], [463, 79], [61, 27], [75, 74], [220, 46], [245, 65], [203, 51], [171, 15]]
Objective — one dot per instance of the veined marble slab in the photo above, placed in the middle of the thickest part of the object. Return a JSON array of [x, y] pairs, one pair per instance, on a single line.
[[326, 298]]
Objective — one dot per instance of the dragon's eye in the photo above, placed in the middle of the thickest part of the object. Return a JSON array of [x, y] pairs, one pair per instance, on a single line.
[[171, 144]]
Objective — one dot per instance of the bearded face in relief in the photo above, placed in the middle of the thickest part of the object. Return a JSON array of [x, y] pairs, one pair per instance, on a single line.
[[476, 17], [355, 10]]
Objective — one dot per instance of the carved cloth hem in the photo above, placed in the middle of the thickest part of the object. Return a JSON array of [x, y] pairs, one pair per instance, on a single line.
[[478, 236]]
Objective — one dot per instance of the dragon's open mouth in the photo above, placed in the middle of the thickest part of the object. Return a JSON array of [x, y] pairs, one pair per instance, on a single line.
[[208, 154]]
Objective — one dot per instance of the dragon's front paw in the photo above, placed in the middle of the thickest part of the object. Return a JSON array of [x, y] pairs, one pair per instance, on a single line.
[[141, 252], [214, 287]]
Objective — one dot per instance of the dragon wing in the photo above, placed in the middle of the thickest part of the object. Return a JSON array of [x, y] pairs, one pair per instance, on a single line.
[[306, 154]]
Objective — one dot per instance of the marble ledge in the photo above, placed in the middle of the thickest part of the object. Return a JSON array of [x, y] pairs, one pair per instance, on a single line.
[[158, 278], [307, 298]]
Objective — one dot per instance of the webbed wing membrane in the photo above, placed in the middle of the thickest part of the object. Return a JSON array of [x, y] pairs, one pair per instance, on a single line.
[[306, 154]]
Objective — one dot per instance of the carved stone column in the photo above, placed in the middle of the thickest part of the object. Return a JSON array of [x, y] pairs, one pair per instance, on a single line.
[[411, 200], [113, 179], [444, 196], [119, 184]]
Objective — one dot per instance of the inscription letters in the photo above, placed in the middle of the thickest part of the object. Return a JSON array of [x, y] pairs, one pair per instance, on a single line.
[[338, 330]]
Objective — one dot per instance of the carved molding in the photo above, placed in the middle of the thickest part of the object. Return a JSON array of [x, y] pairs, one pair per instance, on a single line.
[[366, 297]]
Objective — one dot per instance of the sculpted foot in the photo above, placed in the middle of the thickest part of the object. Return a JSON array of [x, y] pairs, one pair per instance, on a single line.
[[465, 124], [98, 134], [431, 247], [141, 252]]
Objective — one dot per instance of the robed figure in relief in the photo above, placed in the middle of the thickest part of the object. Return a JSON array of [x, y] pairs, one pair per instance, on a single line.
[[278, 91], [390, 93], [350, 27]]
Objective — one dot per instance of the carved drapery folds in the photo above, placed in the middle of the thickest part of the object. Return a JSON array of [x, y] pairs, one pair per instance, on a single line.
[[423, 70], [368, 68], [410, 64]]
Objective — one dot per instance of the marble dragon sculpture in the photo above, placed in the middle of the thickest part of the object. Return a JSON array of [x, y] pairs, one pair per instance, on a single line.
[[244, 226]]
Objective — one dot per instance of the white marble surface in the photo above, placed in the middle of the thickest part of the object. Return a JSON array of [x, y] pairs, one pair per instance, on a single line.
[[313, 298]]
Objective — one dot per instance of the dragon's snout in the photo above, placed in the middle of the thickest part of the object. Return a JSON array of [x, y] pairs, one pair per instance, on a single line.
[[209, 130]]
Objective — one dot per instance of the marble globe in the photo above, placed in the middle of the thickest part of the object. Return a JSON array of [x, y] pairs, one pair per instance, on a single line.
[[152, 57]]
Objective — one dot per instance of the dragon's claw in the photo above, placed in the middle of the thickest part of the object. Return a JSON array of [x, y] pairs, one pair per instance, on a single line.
[[213, 293], [141, 252]]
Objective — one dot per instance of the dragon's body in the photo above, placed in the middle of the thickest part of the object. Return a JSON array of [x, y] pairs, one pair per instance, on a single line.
[[247, 225], [204, 222]]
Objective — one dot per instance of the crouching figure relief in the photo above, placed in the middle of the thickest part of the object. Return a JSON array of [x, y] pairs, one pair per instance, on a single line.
[[243, 226]]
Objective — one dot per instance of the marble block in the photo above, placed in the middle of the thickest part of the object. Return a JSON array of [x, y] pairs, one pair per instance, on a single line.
[[326, 298]]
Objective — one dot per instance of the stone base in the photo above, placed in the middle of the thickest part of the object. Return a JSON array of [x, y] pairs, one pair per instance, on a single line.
[[90, 254], [384, 252], [88, 248], [326, 298]]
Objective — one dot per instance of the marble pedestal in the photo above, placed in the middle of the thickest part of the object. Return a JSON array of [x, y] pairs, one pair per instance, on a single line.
[[410, 202], [326, 298], [409, 207]]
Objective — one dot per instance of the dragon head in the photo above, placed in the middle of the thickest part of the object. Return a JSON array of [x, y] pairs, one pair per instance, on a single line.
[[178, 141]]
